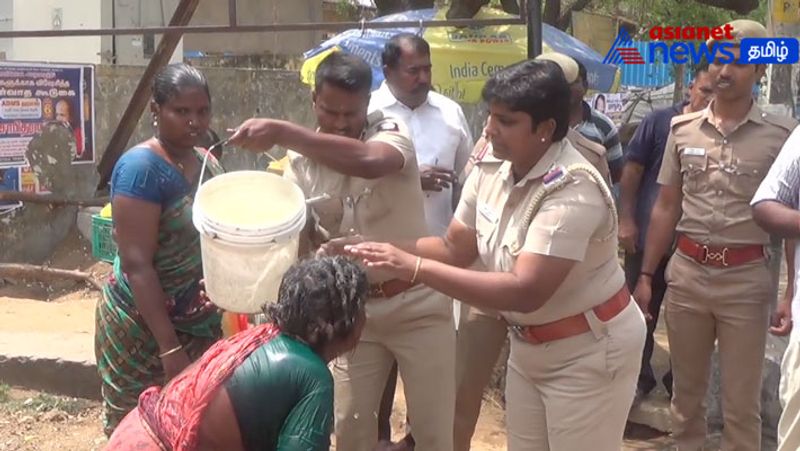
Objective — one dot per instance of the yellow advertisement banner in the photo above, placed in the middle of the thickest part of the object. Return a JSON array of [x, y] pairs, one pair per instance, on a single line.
[[786, 11], [464, 58]]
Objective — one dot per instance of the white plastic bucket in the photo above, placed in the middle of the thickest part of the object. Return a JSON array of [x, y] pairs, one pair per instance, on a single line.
[[249, 224]]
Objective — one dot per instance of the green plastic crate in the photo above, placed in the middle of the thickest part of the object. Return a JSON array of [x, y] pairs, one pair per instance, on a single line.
[[103, 246]]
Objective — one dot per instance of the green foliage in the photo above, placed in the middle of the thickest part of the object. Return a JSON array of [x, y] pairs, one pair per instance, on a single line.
[[346, 9], [4, 393], [673, 12]]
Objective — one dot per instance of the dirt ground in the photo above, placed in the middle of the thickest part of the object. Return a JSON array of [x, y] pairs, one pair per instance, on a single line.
[[39, 421]]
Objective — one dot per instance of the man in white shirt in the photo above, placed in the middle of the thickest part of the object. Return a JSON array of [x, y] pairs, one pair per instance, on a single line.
[[439, 130], [776, 208], [443, 143]]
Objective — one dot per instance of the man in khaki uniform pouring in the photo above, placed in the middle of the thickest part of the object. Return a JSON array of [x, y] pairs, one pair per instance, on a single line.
[[718, 283], [361, 173], [482, 332], [543, 224]]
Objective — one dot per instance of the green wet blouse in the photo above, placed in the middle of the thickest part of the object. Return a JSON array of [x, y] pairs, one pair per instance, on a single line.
[[282, 395]]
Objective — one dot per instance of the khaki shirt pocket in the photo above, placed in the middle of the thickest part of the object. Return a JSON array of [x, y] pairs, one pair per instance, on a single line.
[[330, 215], [485, 229], [746, 176], [693, 169], [511, 247]]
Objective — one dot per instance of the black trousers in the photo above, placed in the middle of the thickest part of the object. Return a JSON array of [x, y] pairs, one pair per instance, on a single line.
[[633, 265]]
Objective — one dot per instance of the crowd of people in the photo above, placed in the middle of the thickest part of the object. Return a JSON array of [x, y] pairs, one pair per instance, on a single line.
[[520, 228]]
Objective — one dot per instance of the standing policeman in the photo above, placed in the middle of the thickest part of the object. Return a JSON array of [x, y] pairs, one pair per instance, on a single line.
[[718, 282], [362, 172]]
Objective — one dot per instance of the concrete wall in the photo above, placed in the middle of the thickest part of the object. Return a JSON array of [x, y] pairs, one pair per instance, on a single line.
[[6, 24], [137, 49], [31, 233], [42, 15], [257, 12]]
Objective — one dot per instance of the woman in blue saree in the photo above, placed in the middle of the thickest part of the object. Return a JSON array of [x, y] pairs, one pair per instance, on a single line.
[[153, 320]]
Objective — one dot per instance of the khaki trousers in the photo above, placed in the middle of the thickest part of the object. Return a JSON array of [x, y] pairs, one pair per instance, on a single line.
[[479, 340], [416, 329], [730, 305], [576, 393], [789, 426]]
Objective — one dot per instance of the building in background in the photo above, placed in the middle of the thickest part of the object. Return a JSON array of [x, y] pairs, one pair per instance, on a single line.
[[137, 49]]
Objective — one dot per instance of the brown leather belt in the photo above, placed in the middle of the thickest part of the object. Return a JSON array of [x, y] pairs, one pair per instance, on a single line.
[[717, 255], [575, 324], [389, 288]]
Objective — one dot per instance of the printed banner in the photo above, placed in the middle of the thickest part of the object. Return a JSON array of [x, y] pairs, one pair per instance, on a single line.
[[32, 95]]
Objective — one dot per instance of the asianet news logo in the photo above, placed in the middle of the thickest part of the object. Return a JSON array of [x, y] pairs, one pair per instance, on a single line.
[[681, 45]]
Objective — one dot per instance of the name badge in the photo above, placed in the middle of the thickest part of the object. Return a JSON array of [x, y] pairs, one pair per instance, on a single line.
[[694, 151], [487, 213]]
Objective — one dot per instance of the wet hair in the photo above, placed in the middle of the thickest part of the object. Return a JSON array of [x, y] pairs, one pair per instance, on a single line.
[[320, 300], [583, 76], [345, 71], [175, 77], [535, 87], [393, 49]]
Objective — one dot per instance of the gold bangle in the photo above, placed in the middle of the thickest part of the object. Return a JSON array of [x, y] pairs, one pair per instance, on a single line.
[[416, 270], [170, 352]]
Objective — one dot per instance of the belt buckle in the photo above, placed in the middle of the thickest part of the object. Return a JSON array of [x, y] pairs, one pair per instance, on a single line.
[[377, 291], [527, 337], [721, 257]]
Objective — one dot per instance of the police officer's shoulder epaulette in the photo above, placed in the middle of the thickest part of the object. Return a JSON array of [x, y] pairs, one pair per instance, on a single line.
[[787, 123], [681, 119], [383, 123], [577, 140]]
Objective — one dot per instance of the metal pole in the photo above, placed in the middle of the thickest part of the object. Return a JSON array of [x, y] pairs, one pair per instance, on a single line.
[[312, 26], [232, 17], [534, 28]]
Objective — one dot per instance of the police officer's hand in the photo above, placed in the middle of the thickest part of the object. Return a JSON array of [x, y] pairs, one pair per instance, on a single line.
[[642, 295], [628, 234], [781, 321], [385, 257], [255, 134], [434, 178]]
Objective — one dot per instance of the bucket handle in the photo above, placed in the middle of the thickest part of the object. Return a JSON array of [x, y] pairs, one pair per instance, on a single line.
[[198, 225], [205, 158]]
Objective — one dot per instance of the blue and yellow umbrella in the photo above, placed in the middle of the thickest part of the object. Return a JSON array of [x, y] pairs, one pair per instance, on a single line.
[[463, 58]]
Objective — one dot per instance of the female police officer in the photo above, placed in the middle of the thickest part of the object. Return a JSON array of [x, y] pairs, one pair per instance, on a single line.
[[543, 222]]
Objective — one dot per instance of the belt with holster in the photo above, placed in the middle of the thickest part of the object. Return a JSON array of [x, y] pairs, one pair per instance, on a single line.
[[575, 324], [719, 256]]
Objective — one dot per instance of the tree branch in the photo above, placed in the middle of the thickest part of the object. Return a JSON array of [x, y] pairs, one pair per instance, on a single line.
[[564, 20], [19, 270], [18, 196]]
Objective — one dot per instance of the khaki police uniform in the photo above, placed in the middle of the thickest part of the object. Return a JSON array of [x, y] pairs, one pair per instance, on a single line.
[[413, 327], [709, 295], [482, 332], [571, 393]]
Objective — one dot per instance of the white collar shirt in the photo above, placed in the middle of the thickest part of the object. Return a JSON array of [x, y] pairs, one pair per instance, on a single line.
[[441, 137]]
